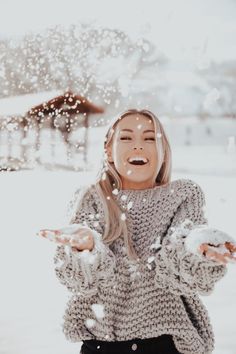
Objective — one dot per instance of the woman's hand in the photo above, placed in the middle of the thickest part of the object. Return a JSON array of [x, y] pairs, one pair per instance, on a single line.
[[80, 240], [223, 253]]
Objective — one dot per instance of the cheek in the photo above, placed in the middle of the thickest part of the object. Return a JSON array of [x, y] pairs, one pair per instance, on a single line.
[[121, 149]]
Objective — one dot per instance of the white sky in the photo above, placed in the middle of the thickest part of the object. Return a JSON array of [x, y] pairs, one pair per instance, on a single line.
[[183, 29]]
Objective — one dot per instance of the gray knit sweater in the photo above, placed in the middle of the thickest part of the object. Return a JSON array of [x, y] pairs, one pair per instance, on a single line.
[[116, 299]]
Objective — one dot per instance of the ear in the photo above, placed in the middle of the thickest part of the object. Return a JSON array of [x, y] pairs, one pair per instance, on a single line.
[[109, 154]]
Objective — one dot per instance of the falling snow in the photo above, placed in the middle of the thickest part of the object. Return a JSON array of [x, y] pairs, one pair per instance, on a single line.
[[156, 245], [115, 191], [123, 216], [110, 68], [123, 197], [129, 205]]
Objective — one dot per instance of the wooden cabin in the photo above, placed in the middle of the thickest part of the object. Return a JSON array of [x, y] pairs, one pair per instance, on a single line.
[[64, 113]]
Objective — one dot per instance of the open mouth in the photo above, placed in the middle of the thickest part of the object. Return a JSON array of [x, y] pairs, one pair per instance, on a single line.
[[138, 161]]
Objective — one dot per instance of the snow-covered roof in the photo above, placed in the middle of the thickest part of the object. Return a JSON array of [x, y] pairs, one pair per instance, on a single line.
[[19, 105]]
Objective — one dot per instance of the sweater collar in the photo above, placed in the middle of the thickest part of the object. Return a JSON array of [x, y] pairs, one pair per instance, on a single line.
[[139, 195]]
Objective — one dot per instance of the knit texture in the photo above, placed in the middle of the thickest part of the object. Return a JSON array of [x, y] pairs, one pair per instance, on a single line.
[[159, 293]]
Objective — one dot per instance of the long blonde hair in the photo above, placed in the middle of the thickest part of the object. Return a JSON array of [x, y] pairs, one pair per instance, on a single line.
[[108, 179]]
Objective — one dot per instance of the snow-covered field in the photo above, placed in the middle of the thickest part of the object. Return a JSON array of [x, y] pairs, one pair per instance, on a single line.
[[31, 299]]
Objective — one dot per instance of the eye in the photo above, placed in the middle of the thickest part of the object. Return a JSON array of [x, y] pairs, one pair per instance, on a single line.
[[125, 138], [153, 139]]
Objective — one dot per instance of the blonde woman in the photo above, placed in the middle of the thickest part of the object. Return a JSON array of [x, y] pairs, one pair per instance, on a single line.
[[139, 251]]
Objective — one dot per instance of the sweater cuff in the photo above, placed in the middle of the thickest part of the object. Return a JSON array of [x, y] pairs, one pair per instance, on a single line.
[[96, 267]]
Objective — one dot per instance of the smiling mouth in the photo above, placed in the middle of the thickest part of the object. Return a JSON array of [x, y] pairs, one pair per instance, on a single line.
[[138, 163]]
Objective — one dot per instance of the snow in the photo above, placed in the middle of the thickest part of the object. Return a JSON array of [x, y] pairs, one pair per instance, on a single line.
[[205, 234], [19, 105], [98, 310], [33, 301], [90, 323]]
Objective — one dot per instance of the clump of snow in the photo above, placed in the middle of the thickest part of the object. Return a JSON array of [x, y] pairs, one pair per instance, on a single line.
[[129, 205], [156, 245], [205, 234], [87, 256], [90, 323], [123, 197], [123, 216], [98, 310]]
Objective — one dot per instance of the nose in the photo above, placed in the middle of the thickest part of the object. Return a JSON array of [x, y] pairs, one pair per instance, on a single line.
[[135, 148]]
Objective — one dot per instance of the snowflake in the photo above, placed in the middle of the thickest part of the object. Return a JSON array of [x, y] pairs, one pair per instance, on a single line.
[[90, 323], [130, 204], [123, 216], [151, 259], [115, 191], [123, 197], [156, 245], [133, 269]]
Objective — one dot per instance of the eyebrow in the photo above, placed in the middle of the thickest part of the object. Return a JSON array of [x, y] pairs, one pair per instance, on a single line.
[[130, 130]]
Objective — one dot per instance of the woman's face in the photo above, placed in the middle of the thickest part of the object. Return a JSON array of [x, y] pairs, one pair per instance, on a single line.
[[134, 137]]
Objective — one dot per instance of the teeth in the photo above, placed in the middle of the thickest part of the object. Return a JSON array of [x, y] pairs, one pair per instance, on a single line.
[[131, 159]]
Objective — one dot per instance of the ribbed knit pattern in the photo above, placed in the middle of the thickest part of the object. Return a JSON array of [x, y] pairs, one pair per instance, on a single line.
[[159, 293]]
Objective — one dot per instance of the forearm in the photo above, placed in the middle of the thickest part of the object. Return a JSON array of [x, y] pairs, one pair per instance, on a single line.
[[181, 268], [85, 271]]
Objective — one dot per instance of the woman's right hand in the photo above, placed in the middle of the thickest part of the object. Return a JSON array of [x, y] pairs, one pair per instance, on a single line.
[[80, 238]]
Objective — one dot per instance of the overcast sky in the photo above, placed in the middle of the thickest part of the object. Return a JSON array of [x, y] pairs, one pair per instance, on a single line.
[[182, 29]]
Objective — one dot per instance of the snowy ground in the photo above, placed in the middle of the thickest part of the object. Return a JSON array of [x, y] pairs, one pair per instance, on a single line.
[[32, 300]]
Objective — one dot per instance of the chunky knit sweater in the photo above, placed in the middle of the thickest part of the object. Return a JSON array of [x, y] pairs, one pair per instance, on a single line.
[[115, 299]]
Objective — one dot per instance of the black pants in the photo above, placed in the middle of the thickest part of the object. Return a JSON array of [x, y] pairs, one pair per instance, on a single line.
[[160, 345]]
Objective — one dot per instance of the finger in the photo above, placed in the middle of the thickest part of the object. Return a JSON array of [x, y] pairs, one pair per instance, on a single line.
[[46, 232], [203, 248], [223, 252], [230, 246], [230, 256], [216, 256], [42, 233]]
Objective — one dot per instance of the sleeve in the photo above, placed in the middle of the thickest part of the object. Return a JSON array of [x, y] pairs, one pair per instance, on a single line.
[[85, 271], [180, 267]]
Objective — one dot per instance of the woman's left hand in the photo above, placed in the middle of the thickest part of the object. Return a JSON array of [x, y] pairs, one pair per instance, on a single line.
[[222, 253]]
